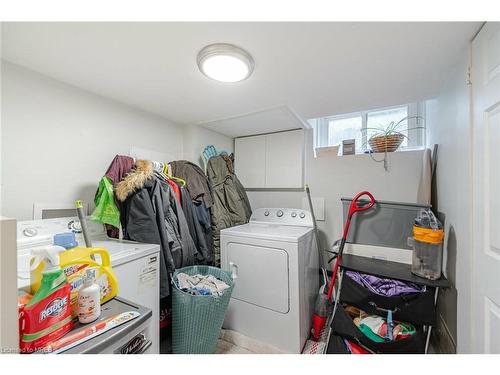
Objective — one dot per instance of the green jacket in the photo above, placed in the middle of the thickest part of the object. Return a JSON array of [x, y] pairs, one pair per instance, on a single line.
[[230, 202]]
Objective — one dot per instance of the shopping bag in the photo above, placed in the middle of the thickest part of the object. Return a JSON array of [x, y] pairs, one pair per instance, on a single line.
[[106, 211]]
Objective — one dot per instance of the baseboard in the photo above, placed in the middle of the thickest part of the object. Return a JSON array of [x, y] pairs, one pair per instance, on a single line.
[[441, 340]]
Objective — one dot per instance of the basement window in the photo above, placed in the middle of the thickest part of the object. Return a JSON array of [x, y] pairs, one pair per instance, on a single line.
[[332, 130]]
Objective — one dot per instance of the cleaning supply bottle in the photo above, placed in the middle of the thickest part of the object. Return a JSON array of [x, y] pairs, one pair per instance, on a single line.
[[89, 299], [47, 316], [75, 261], [321, 310]]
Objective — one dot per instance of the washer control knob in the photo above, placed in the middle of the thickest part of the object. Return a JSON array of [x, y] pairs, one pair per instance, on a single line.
[[302, 215], [30, 232], [279, 213], [294, 214], [266, 213]]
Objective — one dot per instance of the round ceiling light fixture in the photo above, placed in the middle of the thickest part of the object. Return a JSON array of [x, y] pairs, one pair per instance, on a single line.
[[225, 62]]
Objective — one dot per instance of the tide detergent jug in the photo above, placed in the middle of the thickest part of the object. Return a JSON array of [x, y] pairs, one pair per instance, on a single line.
[[75, 261]]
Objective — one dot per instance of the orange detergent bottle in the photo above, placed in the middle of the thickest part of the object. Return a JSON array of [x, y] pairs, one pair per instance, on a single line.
[[74, 262]]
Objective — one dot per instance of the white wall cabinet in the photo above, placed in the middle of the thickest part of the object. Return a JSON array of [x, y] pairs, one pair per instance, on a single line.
[[272, 161], [250, 161]]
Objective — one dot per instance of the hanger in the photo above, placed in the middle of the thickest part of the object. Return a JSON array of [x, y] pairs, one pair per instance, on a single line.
[[163, 169], [166, 170], [157, 166], [177, 179]]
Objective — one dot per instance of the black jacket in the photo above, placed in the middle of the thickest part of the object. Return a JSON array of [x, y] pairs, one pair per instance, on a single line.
[[152, 214], [195, 229]]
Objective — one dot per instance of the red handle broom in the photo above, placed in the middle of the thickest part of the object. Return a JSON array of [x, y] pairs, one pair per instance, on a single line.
[[319, 317]]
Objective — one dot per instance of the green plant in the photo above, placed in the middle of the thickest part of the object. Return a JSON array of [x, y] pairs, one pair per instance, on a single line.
[[394, 128], [392, 136]]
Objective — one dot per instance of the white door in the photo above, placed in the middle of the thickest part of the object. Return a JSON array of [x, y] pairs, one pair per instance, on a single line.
[[261, 275], [486, 187]]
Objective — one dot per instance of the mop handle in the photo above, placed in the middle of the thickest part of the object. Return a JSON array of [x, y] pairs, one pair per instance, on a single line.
[[353, 208], [83, 223], [315, 226]]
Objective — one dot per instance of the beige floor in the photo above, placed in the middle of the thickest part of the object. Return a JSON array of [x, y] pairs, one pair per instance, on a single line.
[[232, 342]]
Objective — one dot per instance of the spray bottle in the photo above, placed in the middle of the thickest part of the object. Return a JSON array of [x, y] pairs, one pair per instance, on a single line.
[[75, 261], [47, 316]]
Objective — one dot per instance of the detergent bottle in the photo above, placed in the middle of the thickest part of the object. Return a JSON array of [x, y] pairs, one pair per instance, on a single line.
[[47, 316], [75, 261], [89, 300]]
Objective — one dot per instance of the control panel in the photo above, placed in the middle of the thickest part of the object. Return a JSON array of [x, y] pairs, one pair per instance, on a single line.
[[284, 216], [34, 233]]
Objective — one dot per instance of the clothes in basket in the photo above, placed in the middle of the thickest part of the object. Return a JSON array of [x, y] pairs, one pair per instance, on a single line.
[[201, 284]]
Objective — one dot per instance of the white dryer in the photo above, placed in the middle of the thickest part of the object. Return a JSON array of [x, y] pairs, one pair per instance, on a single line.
[[274, 262], [136, 265]]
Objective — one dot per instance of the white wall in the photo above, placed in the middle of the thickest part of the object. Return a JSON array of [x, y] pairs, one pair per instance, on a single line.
[[336, 177], [448, 117], [57, 140], [196, 138]]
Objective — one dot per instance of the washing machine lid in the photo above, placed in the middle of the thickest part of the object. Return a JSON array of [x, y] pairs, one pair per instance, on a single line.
[[121, 251], [33, 234], [269, 231]]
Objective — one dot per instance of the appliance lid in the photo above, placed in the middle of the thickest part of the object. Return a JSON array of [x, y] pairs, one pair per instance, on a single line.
[[32, 234], [121, 251], [276, 232]]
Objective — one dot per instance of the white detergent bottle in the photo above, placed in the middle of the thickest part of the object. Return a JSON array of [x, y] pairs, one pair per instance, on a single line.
[[89, 299]]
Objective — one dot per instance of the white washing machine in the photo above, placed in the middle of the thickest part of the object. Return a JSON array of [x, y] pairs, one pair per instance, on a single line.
[[136, 265], [274, 262]]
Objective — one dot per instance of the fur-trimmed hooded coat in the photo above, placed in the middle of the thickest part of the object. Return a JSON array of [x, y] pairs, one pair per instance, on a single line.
[[151, 213]]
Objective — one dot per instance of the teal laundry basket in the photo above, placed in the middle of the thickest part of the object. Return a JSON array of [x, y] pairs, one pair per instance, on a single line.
[[197, 320]]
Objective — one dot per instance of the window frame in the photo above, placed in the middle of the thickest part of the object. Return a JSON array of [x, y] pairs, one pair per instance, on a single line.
[[417, 141]]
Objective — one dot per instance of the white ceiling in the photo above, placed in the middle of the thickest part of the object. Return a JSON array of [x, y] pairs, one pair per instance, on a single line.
[[316, 69], [265, 121]]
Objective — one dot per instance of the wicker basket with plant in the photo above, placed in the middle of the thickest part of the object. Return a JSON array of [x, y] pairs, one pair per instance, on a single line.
[[388, 138]]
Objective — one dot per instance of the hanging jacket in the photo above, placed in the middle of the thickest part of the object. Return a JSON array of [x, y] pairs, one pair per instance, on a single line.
[[230, 202], [202, 214], [196, 180], [118, 168], [195, 229], [176, 190], [229, 162], [152, 214]]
